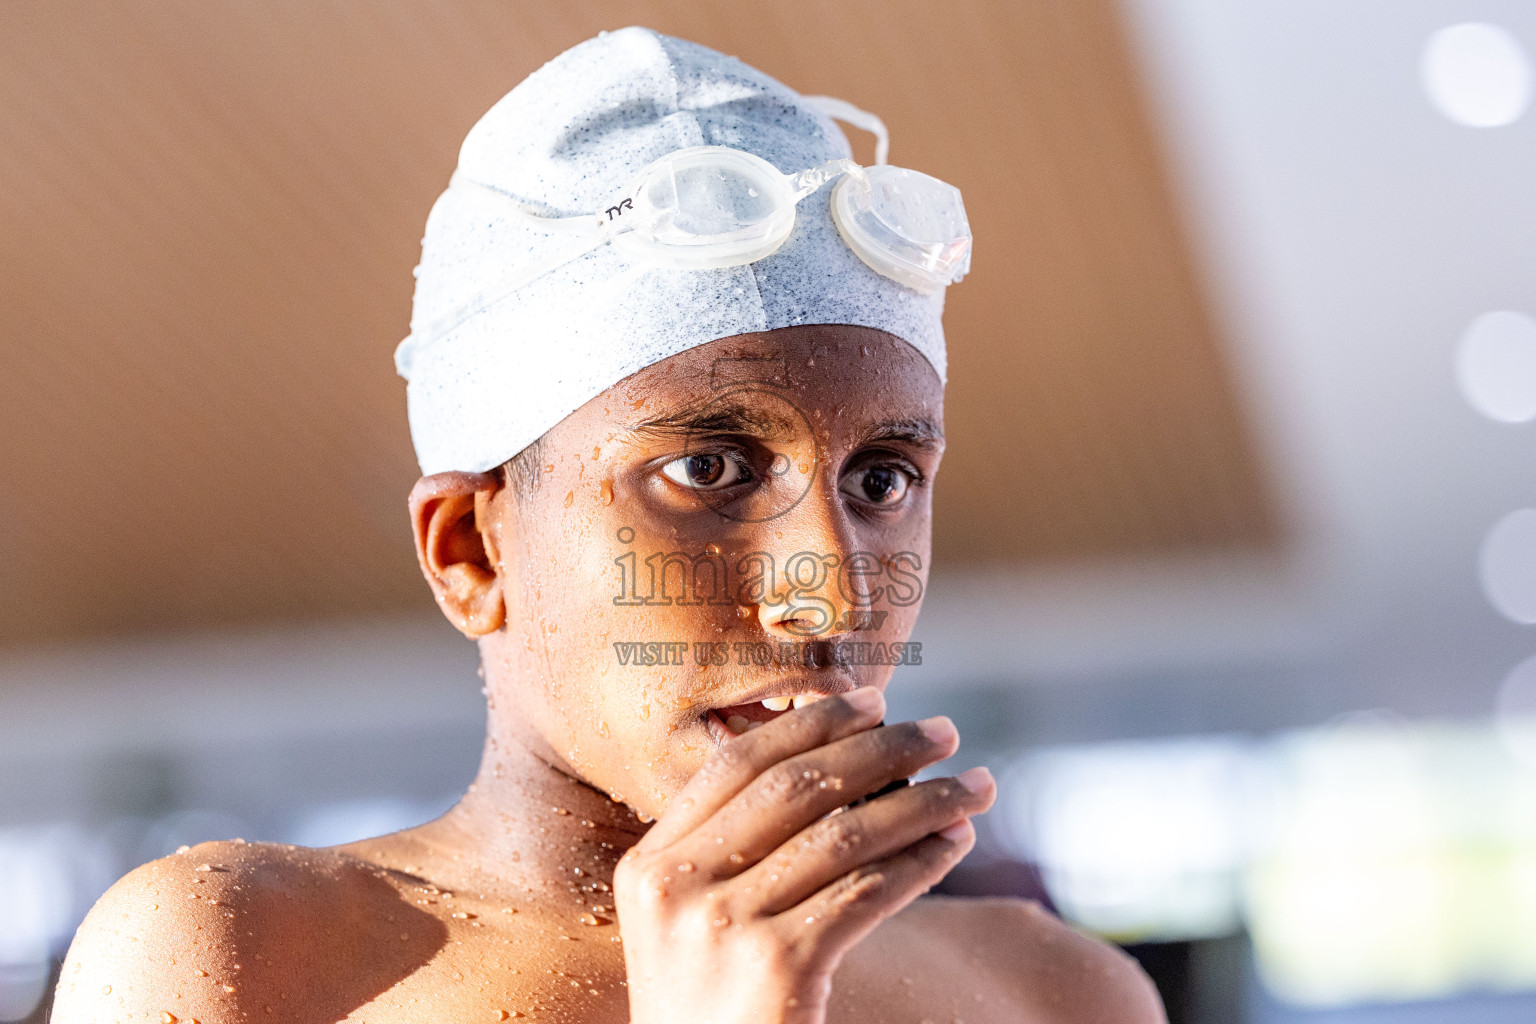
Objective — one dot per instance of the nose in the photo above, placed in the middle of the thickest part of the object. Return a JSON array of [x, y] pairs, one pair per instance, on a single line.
[[807, 617], [811, 551]]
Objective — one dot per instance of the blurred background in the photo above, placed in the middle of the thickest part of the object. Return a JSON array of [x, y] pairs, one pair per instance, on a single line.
[[1235, 563]]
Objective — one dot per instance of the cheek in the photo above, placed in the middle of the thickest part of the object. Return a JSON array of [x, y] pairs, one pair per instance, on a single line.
[[619, 684]]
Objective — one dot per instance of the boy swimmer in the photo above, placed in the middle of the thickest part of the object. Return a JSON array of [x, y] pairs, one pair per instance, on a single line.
[[677, 477]]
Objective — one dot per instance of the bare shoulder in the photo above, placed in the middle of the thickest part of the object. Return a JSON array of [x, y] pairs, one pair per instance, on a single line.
[[1022, 956], [231, 931]]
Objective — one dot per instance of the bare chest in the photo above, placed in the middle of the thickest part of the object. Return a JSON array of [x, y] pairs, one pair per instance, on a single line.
[[535, 968], [543, 970]]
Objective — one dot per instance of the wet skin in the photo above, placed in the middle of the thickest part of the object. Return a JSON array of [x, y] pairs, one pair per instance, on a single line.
[[547, 893]]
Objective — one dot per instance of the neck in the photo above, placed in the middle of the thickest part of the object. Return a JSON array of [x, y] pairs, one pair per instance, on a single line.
[[526, 826]]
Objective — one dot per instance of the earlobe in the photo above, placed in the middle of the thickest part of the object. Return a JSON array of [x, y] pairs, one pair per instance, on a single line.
[[450, 517]]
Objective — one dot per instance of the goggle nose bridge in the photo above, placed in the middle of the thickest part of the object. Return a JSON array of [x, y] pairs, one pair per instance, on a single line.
[[812, 178]]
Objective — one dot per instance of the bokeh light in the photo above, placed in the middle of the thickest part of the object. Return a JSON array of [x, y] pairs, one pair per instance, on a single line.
[[1507, 566], [1477, 75], [1496, 365], [1515, 711]]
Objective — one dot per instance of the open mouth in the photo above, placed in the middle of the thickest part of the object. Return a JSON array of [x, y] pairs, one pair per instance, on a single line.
[[736, 719]]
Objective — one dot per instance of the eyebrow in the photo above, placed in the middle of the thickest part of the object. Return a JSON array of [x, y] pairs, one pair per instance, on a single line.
[[918, 431], [712, 418], [708, 419]]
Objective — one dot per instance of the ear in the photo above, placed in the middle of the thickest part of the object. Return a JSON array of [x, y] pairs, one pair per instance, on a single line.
[[457, 548]]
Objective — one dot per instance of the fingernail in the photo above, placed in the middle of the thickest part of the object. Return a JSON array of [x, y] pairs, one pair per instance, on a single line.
[[976, 780], [866, 699], [939, 730], [957, 832]]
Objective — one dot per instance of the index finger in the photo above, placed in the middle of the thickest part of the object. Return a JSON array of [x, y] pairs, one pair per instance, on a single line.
[[732, 768]]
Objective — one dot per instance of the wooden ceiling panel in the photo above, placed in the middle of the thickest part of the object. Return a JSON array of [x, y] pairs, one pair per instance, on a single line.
[[211, 212]]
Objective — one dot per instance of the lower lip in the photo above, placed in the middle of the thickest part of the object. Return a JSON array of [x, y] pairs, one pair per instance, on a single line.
[[757, 713], [754, 711], [718, 730]]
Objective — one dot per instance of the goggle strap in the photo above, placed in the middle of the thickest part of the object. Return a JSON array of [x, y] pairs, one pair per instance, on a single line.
[[579, 225], [842, 110], [483, 300]]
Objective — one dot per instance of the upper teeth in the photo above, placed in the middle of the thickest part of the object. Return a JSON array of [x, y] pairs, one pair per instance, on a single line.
[[799, 700]]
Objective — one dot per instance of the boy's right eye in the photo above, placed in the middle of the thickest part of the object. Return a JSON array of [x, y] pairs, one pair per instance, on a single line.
[[706, 472]]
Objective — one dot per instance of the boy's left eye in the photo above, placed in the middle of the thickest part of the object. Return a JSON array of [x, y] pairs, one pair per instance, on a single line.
[[877, 485], [707, 472]]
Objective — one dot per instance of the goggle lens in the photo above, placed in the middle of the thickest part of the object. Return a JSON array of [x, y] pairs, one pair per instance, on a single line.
[[906, 225], [708, 207], [704, 202]]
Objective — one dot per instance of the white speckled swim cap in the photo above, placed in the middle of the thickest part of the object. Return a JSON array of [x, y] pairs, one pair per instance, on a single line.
[[562, 143]]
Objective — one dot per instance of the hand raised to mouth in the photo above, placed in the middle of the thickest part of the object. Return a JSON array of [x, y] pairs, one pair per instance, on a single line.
[[739, 904]]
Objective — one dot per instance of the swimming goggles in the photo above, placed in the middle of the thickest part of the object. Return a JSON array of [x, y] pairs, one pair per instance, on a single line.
[[714, 206]]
